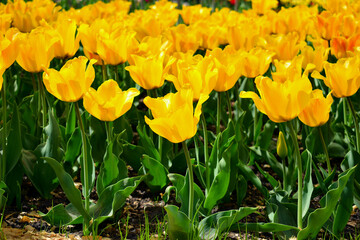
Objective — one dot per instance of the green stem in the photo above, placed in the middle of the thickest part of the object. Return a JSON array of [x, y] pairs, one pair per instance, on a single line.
[[43, 105], [255, 121], [108, 127], [33, 82], [84, 167], [218, 116], [325, 150], [284, 174], [206, 152], [344, 111], [191, 181], [300, 183], [356, 123], [116, 74], [3, 160], [103, 70], [229, 104]]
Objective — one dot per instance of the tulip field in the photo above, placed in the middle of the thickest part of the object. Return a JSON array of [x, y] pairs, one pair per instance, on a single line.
[[240, 118]]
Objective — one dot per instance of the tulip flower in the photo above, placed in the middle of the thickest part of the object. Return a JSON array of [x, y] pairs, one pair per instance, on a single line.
[[315, 56], [201, 76], [72, 81], [328, 24], [36, 49], [262, 6], [281, 102], [281, 147], [112, 47], [192, 14], [183, 38], [343, 77], [5, 22], [288, 70], [228, 64], [286, 47], [244, 35], [109, 102], [150, 72], [9, 48], [174, 116], [255, 62], [345, 47], [69, 43], [316, 113]]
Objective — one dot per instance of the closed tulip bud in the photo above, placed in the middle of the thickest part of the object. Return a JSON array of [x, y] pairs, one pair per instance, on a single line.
[[174, 115], [281, 147], [281, 102], [343, 77], [316, 113], [72, 81], [109, 102]]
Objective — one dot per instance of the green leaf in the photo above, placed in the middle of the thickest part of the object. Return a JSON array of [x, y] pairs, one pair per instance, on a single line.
[[14, 145], [72, 193], [265, 136], [308, 184], [264, 227], [212, 226], [112, 170], [73, 147], [132, 155], [250, 176], [70, 122], [179, 225], [147, 143], [61, 215], [156, 173], [319, 217], [114, 197], [97, 139], [91, 168], [268, 177], [220, 183]]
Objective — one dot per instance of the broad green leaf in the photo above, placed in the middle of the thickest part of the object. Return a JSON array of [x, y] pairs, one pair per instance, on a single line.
[[179, 225], [114, 197], [308, 184], [265, 136], [250, 176], [61, 215], [70, 122], [212, 226], [120, 125], [132, 155], [241, 189], [264, 227], [268, 177], [147, 143], [72, 193], [112, 170], [319, 217], [14, 144], [73, 148], [156, 173], [220, 183], [91, 168], [97, 139]]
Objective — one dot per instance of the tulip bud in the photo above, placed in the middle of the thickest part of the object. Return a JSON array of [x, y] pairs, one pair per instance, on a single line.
[[281, 146]]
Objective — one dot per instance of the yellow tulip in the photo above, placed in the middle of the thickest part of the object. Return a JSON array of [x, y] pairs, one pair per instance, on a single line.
[[262, 6], [288, 70], [315, 56], [5, 22], [195, 13], [174, 116], [316, 113], [328, 25], [72, 81], [343, 77], [69, 43], [201, 76], [150, 72], [112, 47], [228, 64], [255, 62], [286, 46], [36, 49], [243, 35], [109, 102], [345, 47], [281, 102], [9, 48], [183, 38]]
